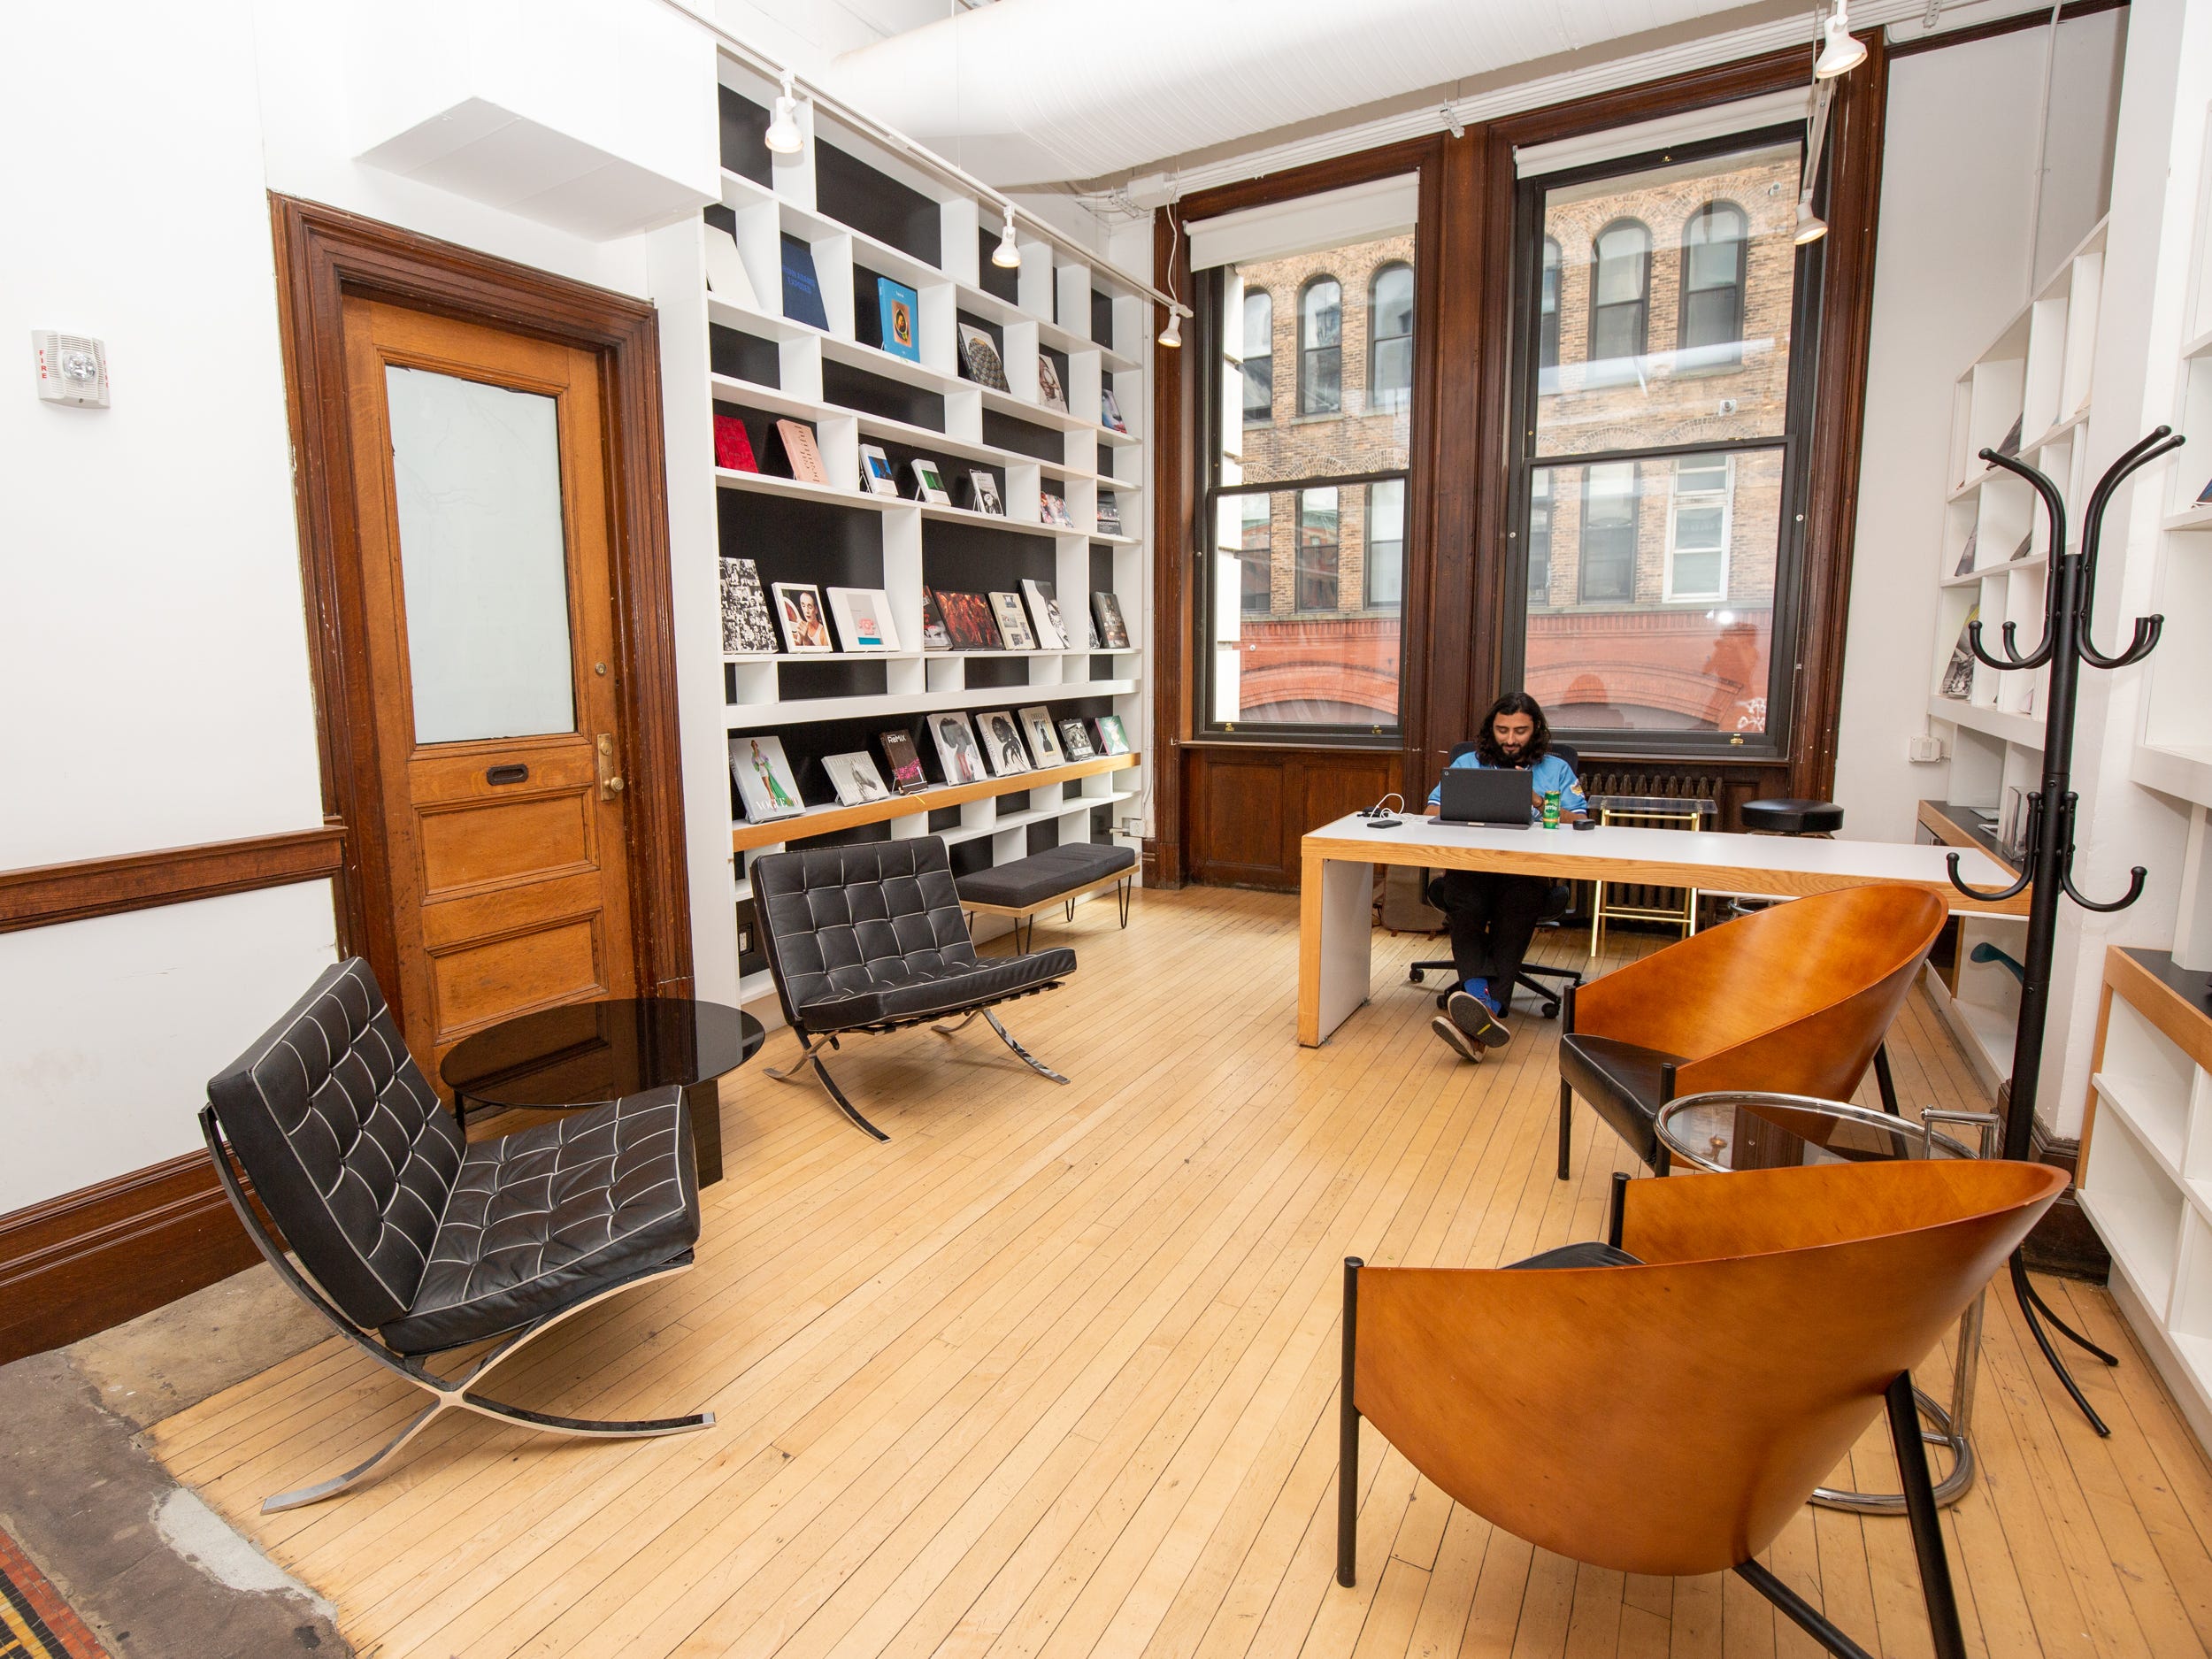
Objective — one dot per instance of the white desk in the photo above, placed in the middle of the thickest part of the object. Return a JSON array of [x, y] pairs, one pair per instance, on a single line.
[[1338, 860]]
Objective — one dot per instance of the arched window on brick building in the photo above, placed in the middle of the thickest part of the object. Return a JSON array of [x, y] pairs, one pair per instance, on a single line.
[[1259, 357], [1390, 338], [1620, 294], [1713, 256], [1321, 347]]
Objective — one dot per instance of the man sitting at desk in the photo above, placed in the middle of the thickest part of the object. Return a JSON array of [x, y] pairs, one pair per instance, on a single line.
[[1492, 917]]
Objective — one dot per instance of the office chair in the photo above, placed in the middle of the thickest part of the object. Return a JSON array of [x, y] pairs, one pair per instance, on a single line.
[[1529, 975]]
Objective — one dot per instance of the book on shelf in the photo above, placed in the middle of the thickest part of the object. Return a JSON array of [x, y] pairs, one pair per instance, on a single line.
[[1044, 617], [734, 445], [797, 449], [983, 494], [2021, 552], [2204, 495], [746, 627], [1053, 510], [958, 750], [1013, 622], [1958, 674], [1112, 629], [1109, 513], [896, 309], [968, 619], [933, 635], [1109, 411], [929, 483], [1044, 743], [727, 276], [1111, 739], [1965, 566], [980, 359], [802, 288], [798, 611], [1075, 741], [2009, 446], [1049, 391], [765, 786], [862, 616], [1003, 749], [854, 778], [904, 761], [876, 473]]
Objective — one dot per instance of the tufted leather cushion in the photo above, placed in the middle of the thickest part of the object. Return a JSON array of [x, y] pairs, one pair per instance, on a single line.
[[861, 934], [345, 1142], [1045, 875], [545, 1216], [1622, 1082], [1588, 1254]]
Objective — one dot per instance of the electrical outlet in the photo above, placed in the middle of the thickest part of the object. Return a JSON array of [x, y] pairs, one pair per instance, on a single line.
[[1923, 749]]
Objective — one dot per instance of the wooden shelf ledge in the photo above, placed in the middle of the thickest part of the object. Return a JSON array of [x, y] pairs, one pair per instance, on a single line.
[[825, 820]]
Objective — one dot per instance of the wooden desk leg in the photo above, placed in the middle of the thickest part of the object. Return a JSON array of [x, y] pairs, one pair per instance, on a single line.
[[1335, 943], [705, 1100]]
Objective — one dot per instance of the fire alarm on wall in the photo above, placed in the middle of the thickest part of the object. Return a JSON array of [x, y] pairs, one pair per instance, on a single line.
[[71, 369]]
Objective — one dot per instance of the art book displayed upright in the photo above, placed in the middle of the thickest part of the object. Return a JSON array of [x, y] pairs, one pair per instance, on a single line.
[[980, 359], [1109, 513], [727, 276], [935, 638], [875, 471], [802, 288], [1044, 743], [1112, 629], [1111, 739], [1013, 622], [899, 307], [733, 444], [968, 619], [1044, 617], [854, 778], [958, 751], [1049, 391], [1958, 675], [1003, 749], [799, 613], [862, 616], [1075, 741], [746, 628], [764, 784], [801, 459], [905, 763]]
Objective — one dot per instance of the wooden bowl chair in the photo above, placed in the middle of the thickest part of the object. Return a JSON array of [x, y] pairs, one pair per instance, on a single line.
[[1795, 1000], [1666, 1406]]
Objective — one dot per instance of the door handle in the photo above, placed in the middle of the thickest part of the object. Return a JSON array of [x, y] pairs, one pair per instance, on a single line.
[[609, 778]]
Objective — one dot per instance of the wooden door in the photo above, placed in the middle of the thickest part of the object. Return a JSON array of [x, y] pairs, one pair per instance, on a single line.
[[487, 604]]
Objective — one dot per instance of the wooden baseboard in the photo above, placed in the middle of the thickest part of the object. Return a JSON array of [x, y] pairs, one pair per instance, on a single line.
[[93, 1258]]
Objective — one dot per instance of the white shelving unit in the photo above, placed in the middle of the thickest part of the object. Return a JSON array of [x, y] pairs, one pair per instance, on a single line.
[[908, 224], [2146, 1168], [2032, 387]]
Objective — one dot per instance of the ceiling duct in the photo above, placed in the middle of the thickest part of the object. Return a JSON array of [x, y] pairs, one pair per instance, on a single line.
[[1001, 90]]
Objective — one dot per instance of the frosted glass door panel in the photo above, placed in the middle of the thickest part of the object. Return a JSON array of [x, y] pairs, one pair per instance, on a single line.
[[483, 558]]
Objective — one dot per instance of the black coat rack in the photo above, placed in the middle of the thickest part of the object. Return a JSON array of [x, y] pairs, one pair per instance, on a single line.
[[2048, 868]]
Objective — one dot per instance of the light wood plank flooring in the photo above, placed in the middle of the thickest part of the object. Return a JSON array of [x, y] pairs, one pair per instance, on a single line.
[[1054, 1372]]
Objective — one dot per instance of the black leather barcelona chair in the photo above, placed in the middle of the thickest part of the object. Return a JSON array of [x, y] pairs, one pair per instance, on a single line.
[[419, 1241], [871, 937]]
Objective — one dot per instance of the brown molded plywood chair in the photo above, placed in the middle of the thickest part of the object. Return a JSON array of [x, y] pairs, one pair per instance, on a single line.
[[1795, 1000], [1668, 1406]]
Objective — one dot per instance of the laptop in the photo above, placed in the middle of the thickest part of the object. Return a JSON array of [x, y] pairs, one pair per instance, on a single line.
[[1499, 796]]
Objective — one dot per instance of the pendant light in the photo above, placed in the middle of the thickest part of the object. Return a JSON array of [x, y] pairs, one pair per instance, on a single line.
[[1172, 337], [784, 136], [1841, 51], [1006, 255]]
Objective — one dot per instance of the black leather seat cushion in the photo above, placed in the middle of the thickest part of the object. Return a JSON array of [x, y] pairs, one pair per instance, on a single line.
[[1588, 1254], [870, 933], [1784, 817], [544, 1217], [1044, 875], [1622, 1083]]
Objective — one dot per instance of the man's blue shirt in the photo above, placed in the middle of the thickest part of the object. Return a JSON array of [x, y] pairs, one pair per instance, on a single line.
[[1548, 775]]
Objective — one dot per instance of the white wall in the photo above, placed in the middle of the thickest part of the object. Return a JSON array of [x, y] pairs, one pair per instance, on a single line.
[[1951, 266]]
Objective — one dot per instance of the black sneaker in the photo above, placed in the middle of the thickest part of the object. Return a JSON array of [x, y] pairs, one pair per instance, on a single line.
[[1470, 1014], [1457, 1041]]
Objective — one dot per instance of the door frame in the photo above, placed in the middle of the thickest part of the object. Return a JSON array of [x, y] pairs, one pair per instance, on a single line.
[[324, 256]]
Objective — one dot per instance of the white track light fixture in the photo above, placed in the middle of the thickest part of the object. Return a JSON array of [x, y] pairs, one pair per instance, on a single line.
[[1172, 337], [784, 136], [1007, 256], [1840, 50], [1810, 227]]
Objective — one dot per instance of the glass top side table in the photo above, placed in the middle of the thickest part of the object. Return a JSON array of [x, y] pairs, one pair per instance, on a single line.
[[584, 1053], [1741, 1130]]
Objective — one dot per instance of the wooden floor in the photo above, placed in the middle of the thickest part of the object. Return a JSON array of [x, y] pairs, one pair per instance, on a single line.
[[1054, 1372]]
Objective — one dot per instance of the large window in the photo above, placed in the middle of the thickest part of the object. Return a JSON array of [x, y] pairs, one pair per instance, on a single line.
[[1390, 338], [1301, 629], [1259, 359], [1658, 490], [1321, 348]]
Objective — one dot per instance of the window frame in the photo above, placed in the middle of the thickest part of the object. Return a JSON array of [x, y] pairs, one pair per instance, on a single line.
[[1298, 605], [1642, 301], [1245, 548], [1727, 494], [1551, 504], [1633, 495], [1739, 288], [1807, 301], [1367, 566], [1401, 397], [1552, 264], [1307, 354]]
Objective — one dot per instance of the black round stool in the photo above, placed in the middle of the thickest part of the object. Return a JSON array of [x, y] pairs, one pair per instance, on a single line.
[[1792, 817]]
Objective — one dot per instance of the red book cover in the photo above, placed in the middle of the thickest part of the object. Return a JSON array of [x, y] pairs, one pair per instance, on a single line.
[[733, 448]]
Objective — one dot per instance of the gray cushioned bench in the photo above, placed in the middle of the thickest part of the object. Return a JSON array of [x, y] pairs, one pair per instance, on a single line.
[[1059, 875]]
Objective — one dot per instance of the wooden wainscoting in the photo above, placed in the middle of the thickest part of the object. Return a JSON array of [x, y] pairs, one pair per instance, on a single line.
[[1247, 806]]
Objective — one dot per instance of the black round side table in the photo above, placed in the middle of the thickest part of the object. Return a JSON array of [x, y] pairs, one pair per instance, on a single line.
[[585, 1054]]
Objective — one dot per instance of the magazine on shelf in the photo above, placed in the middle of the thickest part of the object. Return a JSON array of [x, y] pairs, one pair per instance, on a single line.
[[727, 276], [1044, 617], [1109, 513], [1003, 749], [968, 619], [801, 459], [875, 471], [1109, 411], [802, 288], [854, 778], [929, 483], [958, 750], [904, 761], [1111, 739], [1049, 391], [1013, 622], [746, 627], [1112, 631], [1075, 741], [799, 613], [862, 616], [764, 784], [979, 358], [1958, 675], [734, 445], [1044, 743], [983, 494], [933, 635], [1053, 510], [1965, 566], [897, 307]]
